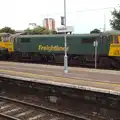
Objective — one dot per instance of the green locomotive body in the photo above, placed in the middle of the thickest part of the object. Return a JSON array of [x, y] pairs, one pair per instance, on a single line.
[[80, 48], [54, 44]]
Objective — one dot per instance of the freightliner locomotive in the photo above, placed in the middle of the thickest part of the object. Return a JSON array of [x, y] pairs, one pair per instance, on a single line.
[[50, 48]]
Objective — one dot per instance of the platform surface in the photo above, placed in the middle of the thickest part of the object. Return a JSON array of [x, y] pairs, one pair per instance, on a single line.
[[107, 81]]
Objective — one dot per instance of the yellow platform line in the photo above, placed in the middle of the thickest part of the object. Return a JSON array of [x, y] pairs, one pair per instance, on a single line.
[[57, 74], [74, 69], [27, 74]]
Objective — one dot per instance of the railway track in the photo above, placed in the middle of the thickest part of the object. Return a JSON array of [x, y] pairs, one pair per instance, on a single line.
[[59, 103], [13, 109]]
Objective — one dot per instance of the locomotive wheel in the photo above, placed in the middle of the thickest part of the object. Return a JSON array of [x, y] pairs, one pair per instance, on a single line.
[[105, 63], [16, 58]]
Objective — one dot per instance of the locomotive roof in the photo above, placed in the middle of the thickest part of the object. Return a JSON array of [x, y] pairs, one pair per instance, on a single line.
[[111, 32], [5, 34], [59, 35]]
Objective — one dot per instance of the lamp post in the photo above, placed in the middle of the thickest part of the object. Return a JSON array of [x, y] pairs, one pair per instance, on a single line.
[[65, 57]]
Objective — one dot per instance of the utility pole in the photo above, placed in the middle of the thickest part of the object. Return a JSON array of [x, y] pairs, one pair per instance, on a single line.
[[104, 22], [65, 57]]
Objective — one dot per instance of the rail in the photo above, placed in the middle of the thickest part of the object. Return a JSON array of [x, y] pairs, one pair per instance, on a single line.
[[18, 110]]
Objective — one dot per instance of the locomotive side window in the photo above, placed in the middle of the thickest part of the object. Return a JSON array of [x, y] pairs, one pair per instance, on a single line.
[[25, 40], [88, 40]]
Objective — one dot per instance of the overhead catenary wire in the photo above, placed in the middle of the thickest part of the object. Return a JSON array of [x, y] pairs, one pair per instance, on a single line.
[[78, 11]]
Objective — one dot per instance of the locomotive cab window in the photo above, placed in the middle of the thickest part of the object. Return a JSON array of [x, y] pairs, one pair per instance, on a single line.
[[6, 39], [119, 39], [104, 39], [115, 39], [110, 38], [0, 39], [11, 39]]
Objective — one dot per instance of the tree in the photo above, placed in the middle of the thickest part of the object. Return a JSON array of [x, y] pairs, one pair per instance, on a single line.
[[39, 30], [95, 31], [28, 31], [115, 21], [7, 30]]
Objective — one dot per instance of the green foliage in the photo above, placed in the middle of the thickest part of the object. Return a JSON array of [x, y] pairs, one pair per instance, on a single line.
[[95, 31], [7, 30], [115, 21], [28, 31], [39, 30]]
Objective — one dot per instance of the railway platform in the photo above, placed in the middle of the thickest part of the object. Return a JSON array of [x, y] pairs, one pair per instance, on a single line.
[[105, 81]]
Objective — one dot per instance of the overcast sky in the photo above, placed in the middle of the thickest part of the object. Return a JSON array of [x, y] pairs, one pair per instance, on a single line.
[[19, 13]]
